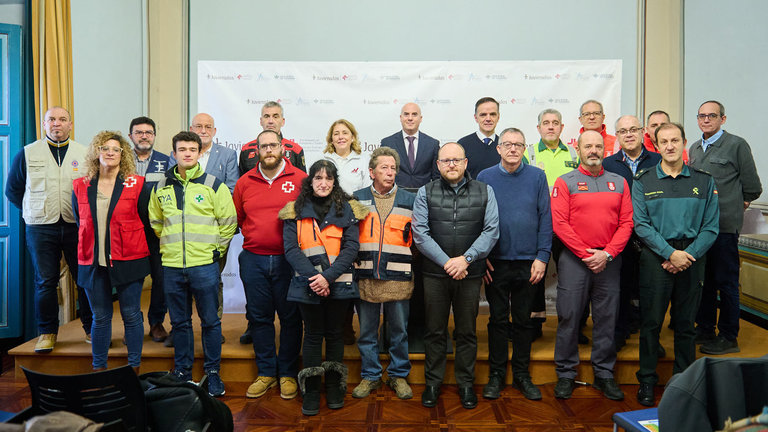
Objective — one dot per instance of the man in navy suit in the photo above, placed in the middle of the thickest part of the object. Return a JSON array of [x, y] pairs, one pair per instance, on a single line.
[[480, 146], [152, 165], [417, 150], [414, 175]]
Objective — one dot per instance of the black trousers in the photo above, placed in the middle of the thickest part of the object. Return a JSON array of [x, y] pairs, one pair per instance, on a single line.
[[657, 288], [323, 321], [440, 295], [510, 291]]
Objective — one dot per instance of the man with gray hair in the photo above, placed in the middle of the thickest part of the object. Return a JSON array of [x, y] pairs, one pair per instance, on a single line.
[[271, 119], [384, 274], [591, 117], [517, 263]]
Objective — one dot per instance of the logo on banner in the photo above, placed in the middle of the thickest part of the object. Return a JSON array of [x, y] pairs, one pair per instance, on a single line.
[[288, 187], [582, 186], [612, 186]]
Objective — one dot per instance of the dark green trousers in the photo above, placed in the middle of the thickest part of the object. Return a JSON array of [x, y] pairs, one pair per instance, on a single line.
[[658, 288]]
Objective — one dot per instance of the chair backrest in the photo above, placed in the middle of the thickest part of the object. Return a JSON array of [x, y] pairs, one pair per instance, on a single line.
[[104, 396]]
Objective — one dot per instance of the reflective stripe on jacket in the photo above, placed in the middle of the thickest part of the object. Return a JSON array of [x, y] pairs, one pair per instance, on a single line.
[[194, 218], [385, 254]]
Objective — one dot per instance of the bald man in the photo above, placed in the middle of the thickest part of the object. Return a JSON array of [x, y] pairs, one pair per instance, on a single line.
[[215, 159], [417, 150]]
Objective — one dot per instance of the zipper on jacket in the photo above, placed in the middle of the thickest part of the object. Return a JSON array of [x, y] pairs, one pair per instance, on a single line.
[[183, 227]]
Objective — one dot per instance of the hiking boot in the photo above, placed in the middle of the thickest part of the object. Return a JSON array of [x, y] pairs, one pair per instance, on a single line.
[[609, 387], [289, 389], [215, 384], [260, 386], [157, 332], [45, 343], [365, 388], [401, 388], [720, 346]]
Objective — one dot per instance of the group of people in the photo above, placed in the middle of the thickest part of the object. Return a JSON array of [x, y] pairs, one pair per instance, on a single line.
[[361, 232]]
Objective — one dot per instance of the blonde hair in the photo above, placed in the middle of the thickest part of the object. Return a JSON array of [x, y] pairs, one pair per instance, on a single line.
[[355, 146], [127, 165]]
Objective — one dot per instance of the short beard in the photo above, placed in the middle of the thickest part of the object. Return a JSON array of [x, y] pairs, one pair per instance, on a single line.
[[268, 166]]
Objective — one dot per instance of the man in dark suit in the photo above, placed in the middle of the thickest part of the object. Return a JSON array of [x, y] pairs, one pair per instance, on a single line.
[[481, 145], [417, 150], [414, 173]]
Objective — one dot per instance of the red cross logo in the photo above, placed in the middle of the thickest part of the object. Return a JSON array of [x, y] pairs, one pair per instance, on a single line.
[[129, 182], [288, 187]]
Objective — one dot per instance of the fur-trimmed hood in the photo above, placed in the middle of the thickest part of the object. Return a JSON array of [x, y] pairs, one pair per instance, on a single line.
[[353, 213]]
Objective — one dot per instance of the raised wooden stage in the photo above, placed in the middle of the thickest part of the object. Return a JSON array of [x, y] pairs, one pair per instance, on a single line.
[[73, 354]]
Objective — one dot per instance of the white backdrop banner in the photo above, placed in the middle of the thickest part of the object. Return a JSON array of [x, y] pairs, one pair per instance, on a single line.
[[371, 94]]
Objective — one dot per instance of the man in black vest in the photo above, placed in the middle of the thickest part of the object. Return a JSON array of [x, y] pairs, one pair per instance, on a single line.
[[455, 226]]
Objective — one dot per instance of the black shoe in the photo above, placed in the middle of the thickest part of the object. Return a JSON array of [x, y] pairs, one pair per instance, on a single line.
[[430, 395], [169, 340], [719, 346], [645, 395], [468, 397], [662, 352], [246, 338], [527, 388], [492, 390], [704, 338], [609, 387], [583, 339], [564, 388]]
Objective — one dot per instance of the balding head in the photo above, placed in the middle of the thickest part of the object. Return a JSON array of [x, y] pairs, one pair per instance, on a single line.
[[202, 124]]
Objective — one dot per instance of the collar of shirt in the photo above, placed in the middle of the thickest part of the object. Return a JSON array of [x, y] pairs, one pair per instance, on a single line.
[[560, 146], [632, 163], [481, 136], [706, 142], [585, 172], [513, 173], [686, 172], [280, 171], [391, 191]]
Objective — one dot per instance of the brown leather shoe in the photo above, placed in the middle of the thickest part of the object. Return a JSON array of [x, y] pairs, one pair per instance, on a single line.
[[157, 332]]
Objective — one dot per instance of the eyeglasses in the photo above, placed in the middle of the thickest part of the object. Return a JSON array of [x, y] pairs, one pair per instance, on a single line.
[[632, 131], [108, 149], [141, 133], [710, 116], [450, 162], [508, 145], [199, 127], [269, 146], [590, 114]]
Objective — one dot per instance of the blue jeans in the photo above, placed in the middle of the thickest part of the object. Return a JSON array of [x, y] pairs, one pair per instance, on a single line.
[[265, 280], [181, 285], [100, 298], [396, 317], [46, 244]]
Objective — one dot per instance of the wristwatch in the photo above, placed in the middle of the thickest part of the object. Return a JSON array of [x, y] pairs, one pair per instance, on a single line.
[[468, 258], [610, 258]]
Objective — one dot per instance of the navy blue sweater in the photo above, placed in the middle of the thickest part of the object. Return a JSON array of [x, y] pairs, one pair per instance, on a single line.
[[479, 155], [525, 222]]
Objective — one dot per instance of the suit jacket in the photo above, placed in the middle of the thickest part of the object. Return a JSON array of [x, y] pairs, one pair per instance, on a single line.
[[425, 165], [222, 164]]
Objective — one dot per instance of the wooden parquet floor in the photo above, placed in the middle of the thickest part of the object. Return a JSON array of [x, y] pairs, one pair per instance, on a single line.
[[586, 411]]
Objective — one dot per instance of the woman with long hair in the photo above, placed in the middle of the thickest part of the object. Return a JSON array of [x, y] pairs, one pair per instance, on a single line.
[[110, 206], [321, 240]]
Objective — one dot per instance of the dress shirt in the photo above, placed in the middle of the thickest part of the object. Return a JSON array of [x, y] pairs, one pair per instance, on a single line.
[[705, 142]]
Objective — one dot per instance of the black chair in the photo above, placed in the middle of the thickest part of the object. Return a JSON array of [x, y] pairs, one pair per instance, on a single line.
[[113, 397]]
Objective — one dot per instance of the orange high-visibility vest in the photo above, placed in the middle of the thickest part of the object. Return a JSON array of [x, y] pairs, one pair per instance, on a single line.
[[321, 247]]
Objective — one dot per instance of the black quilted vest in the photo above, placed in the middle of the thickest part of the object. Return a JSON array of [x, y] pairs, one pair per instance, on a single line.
[[456, 219]]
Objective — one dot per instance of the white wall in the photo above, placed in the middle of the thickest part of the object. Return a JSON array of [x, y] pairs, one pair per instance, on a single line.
[[408, 30], [12, 12], [108, 65], [725, 46]]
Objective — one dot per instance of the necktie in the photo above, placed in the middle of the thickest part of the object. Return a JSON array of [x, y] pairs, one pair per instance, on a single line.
[[486, 141], [411, 150]]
